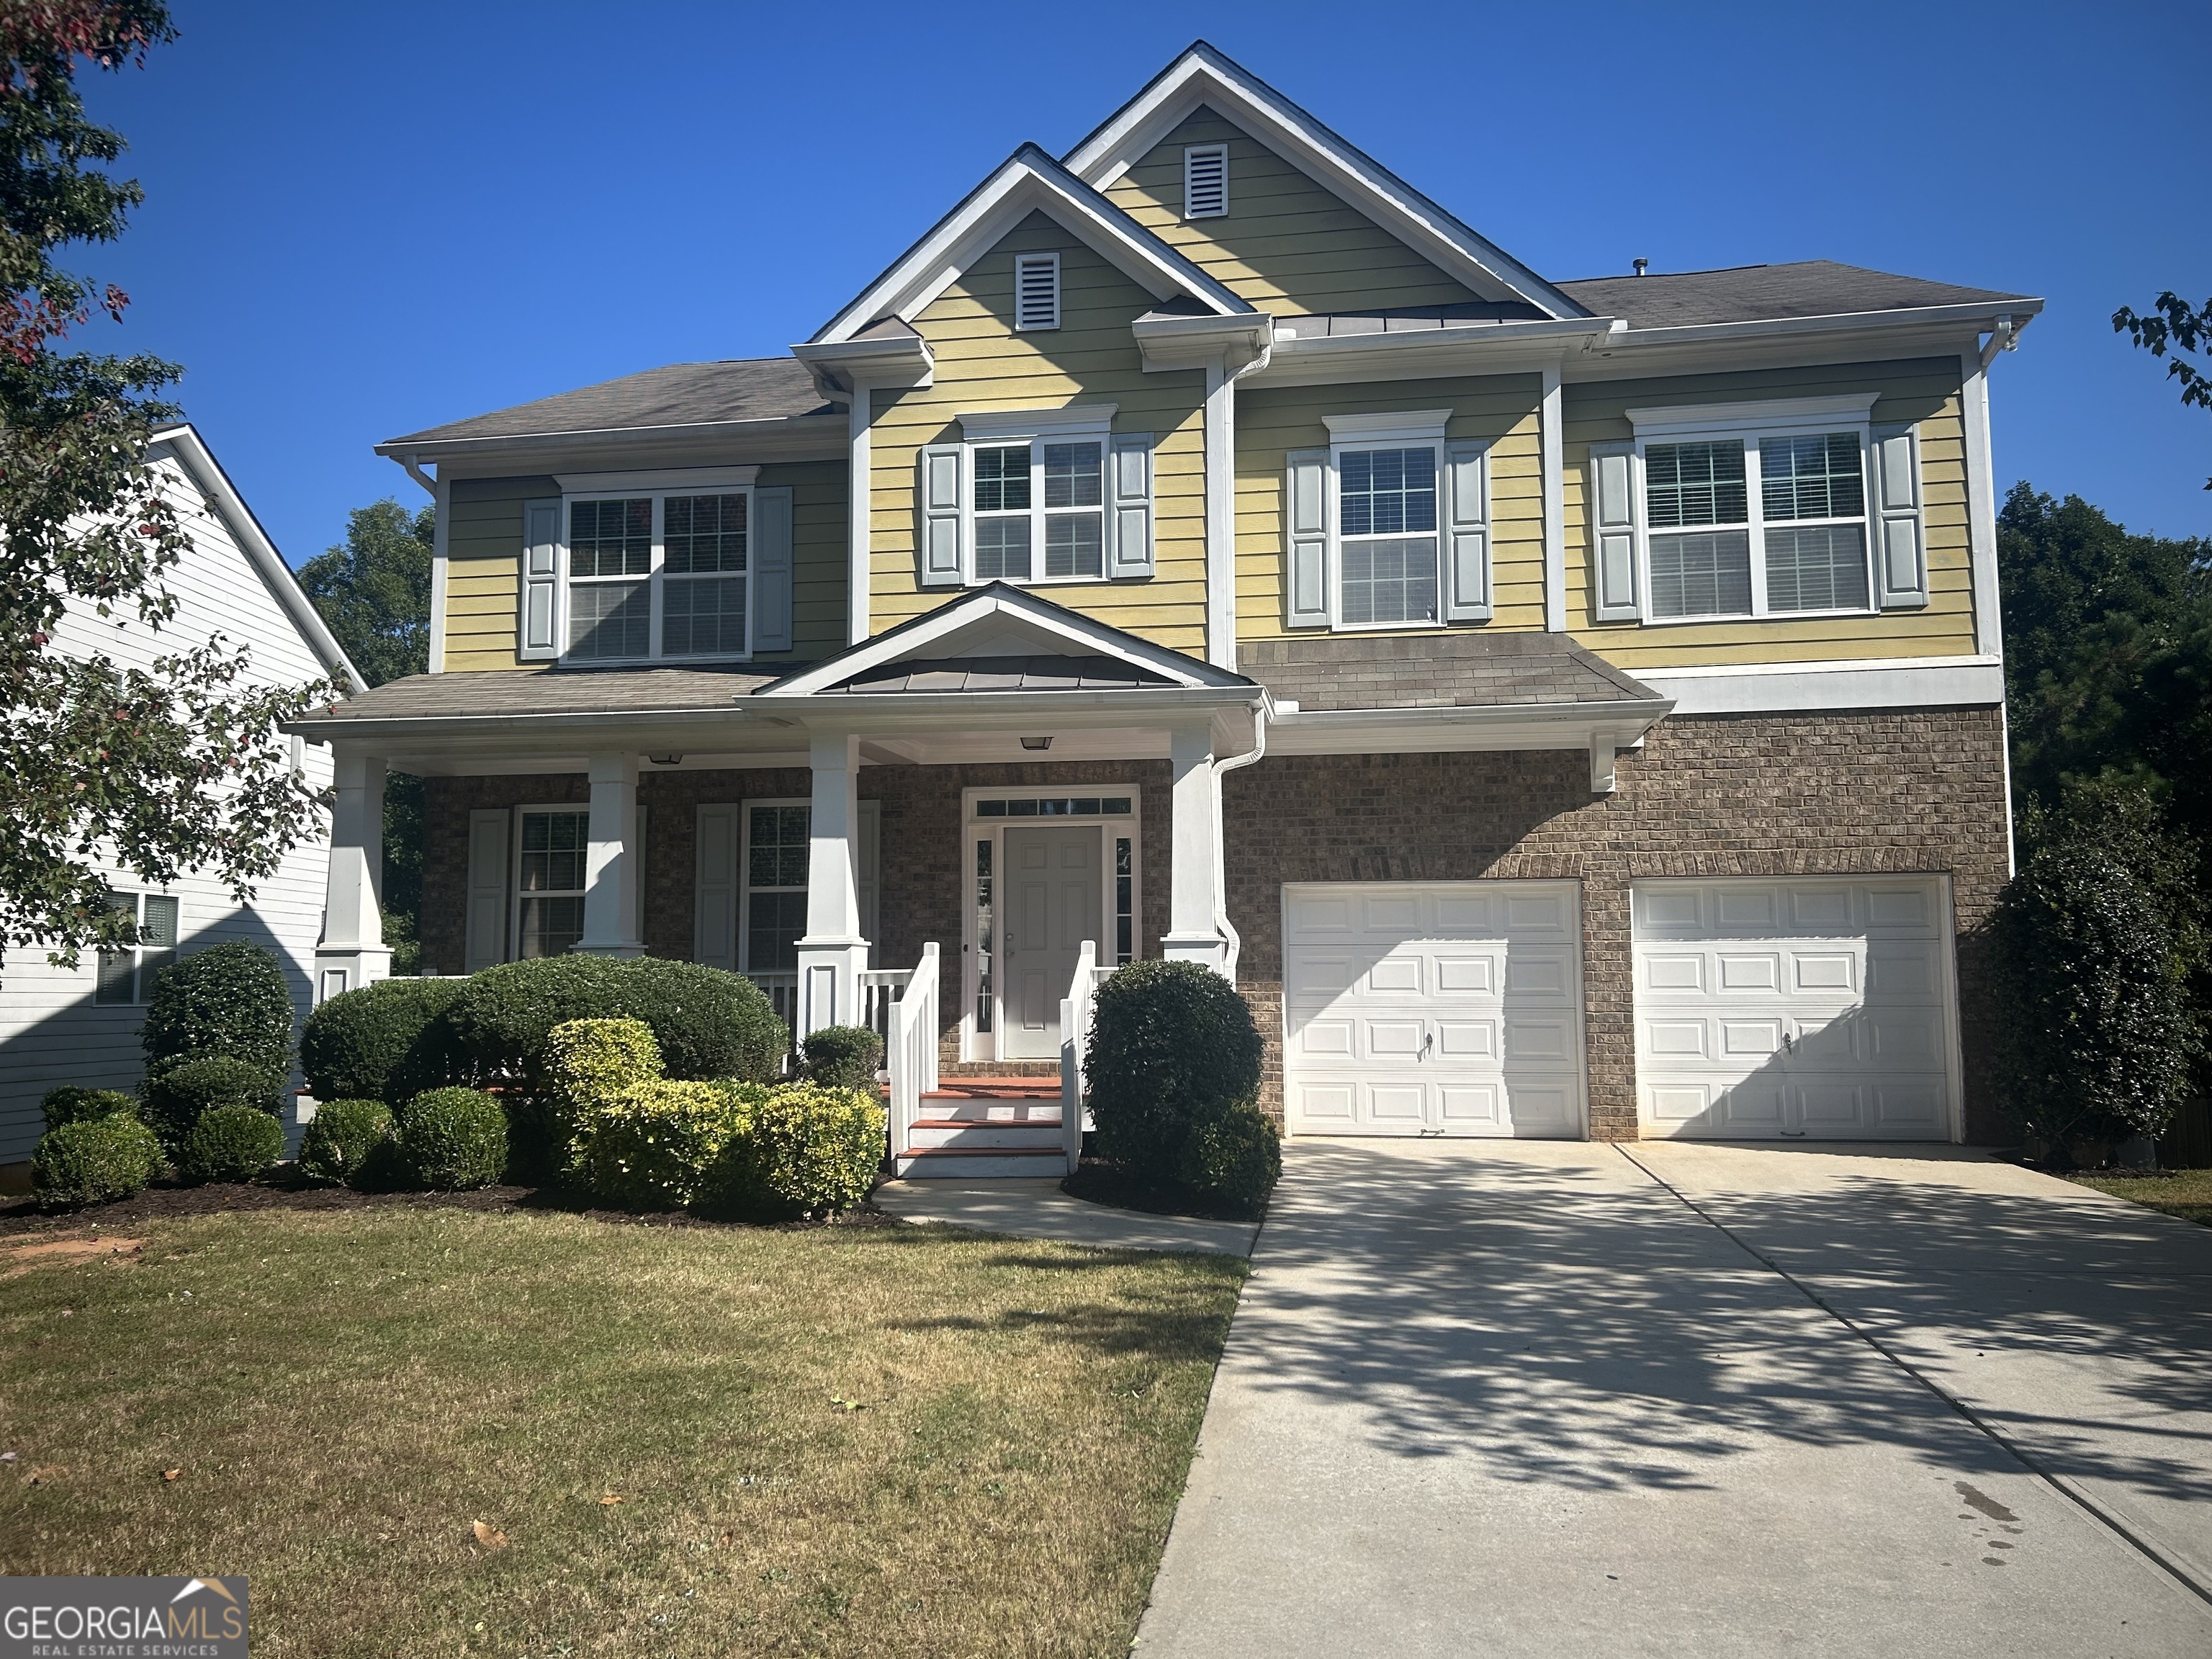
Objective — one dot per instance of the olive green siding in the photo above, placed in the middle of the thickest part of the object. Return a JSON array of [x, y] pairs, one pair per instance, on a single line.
[[983, 364], [1503, 409], [1925, 391], [484, 551], [1286, 245]]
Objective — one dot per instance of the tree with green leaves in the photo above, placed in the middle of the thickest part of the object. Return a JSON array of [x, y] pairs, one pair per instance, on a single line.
[[2177, 326], [374, 589], [175, 765]]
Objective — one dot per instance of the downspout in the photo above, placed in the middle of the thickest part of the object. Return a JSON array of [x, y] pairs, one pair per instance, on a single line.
[[1221, 837], [415, 471]]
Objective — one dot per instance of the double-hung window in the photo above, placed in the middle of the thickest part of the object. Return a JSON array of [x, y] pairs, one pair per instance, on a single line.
[[1389, 526], [550, 867], [127, 976], [1387, 519], [775, 886], [658, 576], [1040, 510]]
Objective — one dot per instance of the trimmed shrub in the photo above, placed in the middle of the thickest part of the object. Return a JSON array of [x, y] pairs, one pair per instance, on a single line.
[[228, 999], [342, 1137], [650, 1146], [588, 1063], [709, 1024], [176, 1098], [806, 1151], [232, 1143], [94, 1160], [71, 1104], [843, 1057], [387, 1041], [1173, 1047], [454, 1140], [1238, 1158]]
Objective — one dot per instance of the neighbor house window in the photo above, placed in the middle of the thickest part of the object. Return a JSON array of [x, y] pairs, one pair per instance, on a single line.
[[1387, 535], [550, 877], [658, 575], [1039, 510], [1758, 526], [127, 976], [775, 886]]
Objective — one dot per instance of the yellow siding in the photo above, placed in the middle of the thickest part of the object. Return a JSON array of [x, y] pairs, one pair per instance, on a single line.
[[483, 549], [982, 364], [1286, 245], [1924, 391], [1272, 421]]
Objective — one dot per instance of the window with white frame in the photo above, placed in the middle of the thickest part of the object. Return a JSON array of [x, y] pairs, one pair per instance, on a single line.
[[1040, 511], [658, 575], [127, 975], [775, 865], [1387, 535], [554, 844], [1757, 524]]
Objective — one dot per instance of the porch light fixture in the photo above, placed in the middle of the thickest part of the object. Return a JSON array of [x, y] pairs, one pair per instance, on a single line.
[[665, 760], [1038, 744]]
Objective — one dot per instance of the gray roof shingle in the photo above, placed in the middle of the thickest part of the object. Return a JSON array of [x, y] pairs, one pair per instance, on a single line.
[[1811, 288], [1452, 671], [548, 691], [1036, 673], [681, 394]]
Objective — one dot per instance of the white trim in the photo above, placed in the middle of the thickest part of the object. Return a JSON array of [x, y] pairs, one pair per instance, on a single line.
[[1458, 730], [1863, 682], [1414, 426], [515, 814], [1552, 421], [741, 947], [439, 577], [1835, 322], [860, 515], [672, 481], [980, 425], [1083, 422], [1220, 517], [1774, 415], [1981, 507]]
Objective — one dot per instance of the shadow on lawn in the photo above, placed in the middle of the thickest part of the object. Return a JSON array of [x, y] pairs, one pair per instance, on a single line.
[[1573, 1325]]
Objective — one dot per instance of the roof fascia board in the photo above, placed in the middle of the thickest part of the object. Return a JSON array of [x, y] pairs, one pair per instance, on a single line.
[[1203, 76], [1173, 342], [1982, 313], [1026, 182], [1480, 349], [200, 466], [1435, 730], [839, 366], [1741, 355]]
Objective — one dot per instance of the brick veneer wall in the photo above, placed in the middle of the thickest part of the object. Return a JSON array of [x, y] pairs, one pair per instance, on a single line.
[[1798, 795]]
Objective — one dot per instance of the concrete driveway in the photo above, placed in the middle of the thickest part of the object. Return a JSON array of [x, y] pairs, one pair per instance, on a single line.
[[1552, 1398]]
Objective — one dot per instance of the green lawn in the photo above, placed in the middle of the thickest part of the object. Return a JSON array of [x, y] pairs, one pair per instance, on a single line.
[[884, 1440], [2187, 1193]]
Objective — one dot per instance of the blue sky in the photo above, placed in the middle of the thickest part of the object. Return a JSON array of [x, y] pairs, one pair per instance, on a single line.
[[364, 219]]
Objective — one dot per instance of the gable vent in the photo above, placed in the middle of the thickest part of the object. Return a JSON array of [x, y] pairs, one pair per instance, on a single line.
[[1036, 291], [1205, 181]]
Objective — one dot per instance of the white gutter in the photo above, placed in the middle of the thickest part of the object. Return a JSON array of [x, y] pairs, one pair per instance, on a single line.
[[1835, 323], [2004, 336]]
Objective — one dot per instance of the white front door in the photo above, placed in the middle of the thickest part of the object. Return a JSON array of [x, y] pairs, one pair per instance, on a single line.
[[1811, 1009], [1052, 887], [1450, 1008]]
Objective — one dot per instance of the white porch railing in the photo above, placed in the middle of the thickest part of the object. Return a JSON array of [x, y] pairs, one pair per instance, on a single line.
[[910, 1046], [1075, 1012], [781, 987], [880, 990]]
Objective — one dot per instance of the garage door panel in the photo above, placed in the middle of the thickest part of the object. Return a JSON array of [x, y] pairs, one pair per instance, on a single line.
[[1466, 1039], [1678, 1104], [1466, 975], [1674, 971], [1389, 1039], [1543, 973], [1323, 1102], [1744, 907], [1472, 1106], [1325, 1039], [1538, 1039], [1820, 909], [1756, 1107], [1816, 971], [1396, 976], [1750, 1041], [1542, 1108], [1901, 972], [1908, 1105], [1395, 914], [1900, 910], [1403, 1104], [1678, 1039], [1739, 972]]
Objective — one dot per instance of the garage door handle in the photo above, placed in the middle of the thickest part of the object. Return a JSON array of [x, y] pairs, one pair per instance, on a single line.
[[1428, 1038]]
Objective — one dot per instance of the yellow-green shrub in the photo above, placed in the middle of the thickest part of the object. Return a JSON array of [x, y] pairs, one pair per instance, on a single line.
[[650, 1146], [806, 1149], [588, 1063]]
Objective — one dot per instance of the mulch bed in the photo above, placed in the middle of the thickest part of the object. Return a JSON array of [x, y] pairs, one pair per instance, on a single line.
[[285, 1189], [1097, 1181]]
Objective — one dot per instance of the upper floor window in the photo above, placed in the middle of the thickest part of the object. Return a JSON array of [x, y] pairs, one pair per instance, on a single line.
[[1040, 511], [127, 976], [1386, 507], [1041, 495], [1752, 527], [1205, 181]]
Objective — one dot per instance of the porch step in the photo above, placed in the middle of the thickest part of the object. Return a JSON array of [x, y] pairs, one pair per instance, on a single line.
[[998, 1069], [985, 1163], [995, 1089]]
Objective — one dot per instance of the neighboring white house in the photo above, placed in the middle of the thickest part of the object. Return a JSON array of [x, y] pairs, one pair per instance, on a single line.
[[59, 1025]]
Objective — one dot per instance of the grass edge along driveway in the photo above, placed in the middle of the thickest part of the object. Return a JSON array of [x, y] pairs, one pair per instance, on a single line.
[[2185, 1193], [680, 1441]]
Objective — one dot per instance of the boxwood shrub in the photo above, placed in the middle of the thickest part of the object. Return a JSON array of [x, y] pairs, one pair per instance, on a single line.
[[71, 1104], [1238, 1158], [342, 1137], [1172, 1046], [843, 1057], [803, 1151], [176, 1098], [453, 1140], [228, 999], [232, 1143], [94, 1160], [588, 1063], [389, 1042], [650, 1146], [709, 1024]]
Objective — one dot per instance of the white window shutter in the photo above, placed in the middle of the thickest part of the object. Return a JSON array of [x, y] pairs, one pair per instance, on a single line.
[[1466, 542], [1616, 594], [714, 909], [939, 487], [771, 569], [491, 829], [540, 619], [1130, 478], [868, 874], [1901, 548], [1305, 539]]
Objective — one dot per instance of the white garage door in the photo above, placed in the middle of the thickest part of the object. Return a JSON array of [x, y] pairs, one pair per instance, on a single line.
[[1812, 1009], [1451, 1008]]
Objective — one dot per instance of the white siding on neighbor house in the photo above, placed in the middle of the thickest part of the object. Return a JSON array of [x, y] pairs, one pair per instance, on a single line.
[[51, 1031]]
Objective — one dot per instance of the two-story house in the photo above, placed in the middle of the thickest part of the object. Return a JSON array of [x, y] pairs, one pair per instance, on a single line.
[[1561, 707]]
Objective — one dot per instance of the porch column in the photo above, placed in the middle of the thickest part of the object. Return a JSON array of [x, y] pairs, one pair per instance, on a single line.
[[611, 872], [1195, 879], [352, 953], [832, 956]]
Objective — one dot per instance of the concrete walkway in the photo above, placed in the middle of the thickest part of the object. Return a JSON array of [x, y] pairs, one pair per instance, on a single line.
[[1038, 1209], [1556, 1398]]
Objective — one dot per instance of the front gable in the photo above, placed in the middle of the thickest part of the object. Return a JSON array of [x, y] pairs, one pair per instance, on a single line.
[[1287, 244]]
